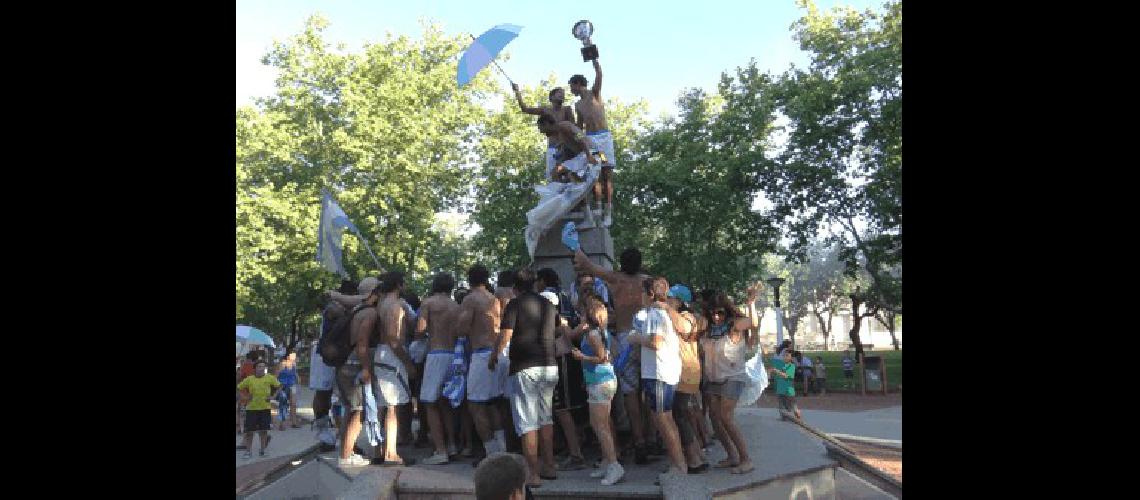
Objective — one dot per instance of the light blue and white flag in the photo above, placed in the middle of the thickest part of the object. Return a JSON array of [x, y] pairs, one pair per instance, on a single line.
[[332, 226]]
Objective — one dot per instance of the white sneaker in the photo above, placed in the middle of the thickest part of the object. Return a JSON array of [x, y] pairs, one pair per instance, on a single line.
[[353, 461], [599, 472], [614, 474], [436, 459]]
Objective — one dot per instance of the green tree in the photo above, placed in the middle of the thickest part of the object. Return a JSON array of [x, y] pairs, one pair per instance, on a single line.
[[684, 195], [841, 166], [386, 129]]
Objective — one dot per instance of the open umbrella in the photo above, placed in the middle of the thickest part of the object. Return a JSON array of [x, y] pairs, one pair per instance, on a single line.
[[252, 336], [483, 51]]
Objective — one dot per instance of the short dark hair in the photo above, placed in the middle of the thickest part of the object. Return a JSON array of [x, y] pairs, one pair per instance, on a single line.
[[579, 79], [506, 278], [545, 118], [548, 276], [478, 275], [411, 298], [630, 261], [442, 283], [461, 294], [550, 95], [347, 287], [524, 279], [390, 281], [499, 476]]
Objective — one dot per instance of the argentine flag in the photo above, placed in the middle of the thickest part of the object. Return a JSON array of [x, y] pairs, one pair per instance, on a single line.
[[329, 233]]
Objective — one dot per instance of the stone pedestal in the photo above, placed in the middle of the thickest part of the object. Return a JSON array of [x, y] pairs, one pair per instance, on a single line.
[[596, 244]]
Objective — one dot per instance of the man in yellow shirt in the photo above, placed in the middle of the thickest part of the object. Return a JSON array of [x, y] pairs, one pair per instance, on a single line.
[[258, 390]]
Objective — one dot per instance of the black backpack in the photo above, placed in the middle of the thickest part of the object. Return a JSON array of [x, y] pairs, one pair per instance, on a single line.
[[337, 344]]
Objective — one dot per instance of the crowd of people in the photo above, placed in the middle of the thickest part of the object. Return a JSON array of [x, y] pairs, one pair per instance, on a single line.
[[619, 362]]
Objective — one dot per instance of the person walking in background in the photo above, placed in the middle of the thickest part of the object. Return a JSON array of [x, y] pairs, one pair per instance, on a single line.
[[848, 370], [287, 375], [820, 376], [785, 389]]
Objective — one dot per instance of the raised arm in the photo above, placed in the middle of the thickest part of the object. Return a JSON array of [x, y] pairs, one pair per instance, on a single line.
[[597, 90], [522, 105], [582, 263]]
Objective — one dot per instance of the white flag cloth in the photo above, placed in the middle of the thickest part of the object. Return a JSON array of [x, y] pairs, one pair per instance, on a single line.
[[329, 233]]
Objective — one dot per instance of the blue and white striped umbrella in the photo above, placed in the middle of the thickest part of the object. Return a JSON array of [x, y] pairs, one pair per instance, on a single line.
[[252, 336]]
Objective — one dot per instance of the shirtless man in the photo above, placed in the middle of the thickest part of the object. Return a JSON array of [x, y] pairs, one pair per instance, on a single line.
[[363, 329], [626, 290], [560, 113], [437, 319], [592, 118], [393, 365], [573, 146], [479, 315]]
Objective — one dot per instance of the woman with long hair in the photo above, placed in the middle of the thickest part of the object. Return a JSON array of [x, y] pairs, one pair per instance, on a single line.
[[726, 343], [601, 383]]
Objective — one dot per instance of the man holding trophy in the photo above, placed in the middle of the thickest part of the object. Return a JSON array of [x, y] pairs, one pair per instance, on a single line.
[[592, 118]]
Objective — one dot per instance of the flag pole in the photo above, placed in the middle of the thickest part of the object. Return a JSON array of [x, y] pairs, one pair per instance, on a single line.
[[356, 232]]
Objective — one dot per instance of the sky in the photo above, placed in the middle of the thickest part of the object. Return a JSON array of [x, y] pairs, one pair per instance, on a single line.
[[650, 50]]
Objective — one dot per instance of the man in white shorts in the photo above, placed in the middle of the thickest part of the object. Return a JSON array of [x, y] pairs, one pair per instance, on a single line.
[[478, 313], [438, 314], [392, 364]]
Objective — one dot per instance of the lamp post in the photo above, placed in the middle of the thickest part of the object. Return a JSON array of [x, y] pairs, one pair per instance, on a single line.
[[775, 283]]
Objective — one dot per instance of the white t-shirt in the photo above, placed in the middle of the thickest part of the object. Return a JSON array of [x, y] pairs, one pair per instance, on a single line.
[[663, 364]]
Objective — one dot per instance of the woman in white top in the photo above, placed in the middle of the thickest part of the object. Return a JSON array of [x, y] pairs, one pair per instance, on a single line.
[[726, 344]]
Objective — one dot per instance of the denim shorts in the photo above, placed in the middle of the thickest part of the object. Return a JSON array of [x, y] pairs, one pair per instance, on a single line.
[[658, 394], [729, 389], [601, 392]]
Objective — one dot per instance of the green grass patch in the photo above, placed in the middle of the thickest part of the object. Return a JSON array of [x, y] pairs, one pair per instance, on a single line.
[[834, 362]]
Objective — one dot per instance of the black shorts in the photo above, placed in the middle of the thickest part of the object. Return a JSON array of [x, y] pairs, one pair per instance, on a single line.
[[570, 393], [257, 420]]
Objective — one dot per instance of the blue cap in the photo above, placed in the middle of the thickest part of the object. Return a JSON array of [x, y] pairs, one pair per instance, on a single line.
[[681, 292]]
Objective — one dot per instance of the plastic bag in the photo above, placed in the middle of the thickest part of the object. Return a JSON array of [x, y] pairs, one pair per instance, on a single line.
[[757, 380]]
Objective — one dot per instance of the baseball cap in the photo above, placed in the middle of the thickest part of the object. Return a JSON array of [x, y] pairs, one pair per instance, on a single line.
[[367, 285], [681, 292]]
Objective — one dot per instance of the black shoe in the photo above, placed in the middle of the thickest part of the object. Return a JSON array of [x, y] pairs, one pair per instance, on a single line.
[[325, 448], [699, 469]]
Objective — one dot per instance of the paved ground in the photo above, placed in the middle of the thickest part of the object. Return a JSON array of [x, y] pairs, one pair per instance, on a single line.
[[883, 423], [766, 434], [836, 401], [283, 446]]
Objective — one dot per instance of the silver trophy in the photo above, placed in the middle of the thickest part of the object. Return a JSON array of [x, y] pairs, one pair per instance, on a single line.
[[582, 31]]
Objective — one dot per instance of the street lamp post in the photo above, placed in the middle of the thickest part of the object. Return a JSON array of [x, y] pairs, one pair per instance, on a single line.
[[775, 283]]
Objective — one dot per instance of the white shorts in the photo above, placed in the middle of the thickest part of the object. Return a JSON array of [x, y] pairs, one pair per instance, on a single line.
[[435, 373], [603, 141], [502, 371], [532, 390], [483, 385], [391, 376], [322, 377]]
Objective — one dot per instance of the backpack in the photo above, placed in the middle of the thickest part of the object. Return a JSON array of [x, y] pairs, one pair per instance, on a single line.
[[336, 345]]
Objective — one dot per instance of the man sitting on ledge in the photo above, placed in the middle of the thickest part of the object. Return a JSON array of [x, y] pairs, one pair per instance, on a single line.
[[573, 148]]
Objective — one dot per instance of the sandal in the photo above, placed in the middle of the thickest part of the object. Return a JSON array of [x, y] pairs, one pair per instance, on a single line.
[[726, 463]]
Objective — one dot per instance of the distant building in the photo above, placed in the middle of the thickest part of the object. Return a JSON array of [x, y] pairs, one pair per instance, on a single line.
[[810, 337]]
